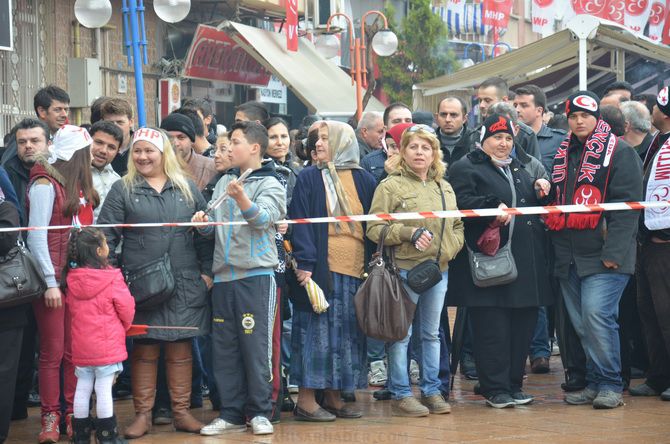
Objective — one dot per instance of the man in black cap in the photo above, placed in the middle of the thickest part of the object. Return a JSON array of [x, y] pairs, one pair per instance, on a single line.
[[653, 273], [182, 135], [594, 252]]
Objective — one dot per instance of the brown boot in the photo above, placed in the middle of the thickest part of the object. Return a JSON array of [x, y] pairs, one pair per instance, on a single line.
[[178, 366], [144, 367]]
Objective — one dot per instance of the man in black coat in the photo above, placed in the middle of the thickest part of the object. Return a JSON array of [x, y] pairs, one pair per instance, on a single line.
[[455, 139], [653, 274], [594, 252]]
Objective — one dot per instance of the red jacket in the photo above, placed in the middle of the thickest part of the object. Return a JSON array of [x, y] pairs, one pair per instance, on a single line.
[[101, 310]]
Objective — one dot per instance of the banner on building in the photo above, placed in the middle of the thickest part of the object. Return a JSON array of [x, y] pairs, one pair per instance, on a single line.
[[657, 16], [637, 14], [169, 96], [275, 92], [292, 25], [543, 13], [497, 12], [213, 55], [6, 27]]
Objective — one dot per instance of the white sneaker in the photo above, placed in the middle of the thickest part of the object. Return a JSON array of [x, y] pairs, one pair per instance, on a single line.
[[261, 426], [377, 375], [555, 351], [414, 373], [219, 426]]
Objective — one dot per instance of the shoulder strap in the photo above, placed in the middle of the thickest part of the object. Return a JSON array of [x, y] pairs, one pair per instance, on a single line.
[[510, 179], [444, 221]]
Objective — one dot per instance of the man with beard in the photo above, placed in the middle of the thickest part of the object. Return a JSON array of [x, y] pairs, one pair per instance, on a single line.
[[107, 139]]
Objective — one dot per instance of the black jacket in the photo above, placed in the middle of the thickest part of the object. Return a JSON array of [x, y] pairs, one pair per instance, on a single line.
[[19, 176], [479, 184], [14, 317], [190, 254], [464, 145], [614, 239]]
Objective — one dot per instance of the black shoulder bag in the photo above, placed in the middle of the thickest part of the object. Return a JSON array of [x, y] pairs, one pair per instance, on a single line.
[[21, 278], [427, 274]]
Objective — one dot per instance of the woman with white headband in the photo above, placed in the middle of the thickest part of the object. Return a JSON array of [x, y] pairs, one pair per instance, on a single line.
[[157, 189]]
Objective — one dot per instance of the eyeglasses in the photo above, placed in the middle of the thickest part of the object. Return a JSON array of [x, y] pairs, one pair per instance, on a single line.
[[420, 127]]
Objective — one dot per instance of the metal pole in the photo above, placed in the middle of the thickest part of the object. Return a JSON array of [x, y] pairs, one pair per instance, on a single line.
[[359, 94], [137, 63], [583, 65]]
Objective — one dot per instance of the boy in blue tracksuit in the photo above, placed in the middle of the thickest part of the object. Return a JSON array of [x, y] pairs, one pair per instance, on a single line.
[[244, 294]]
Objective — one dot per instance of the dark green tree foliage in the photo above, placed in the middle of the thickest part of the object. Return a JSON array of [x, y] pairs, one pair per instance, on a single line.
[[422, 54]]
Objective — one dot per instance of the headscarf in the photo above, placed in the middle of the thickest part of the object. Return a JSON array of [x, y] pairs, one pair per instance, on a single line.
[[344, 155], [68, 140]]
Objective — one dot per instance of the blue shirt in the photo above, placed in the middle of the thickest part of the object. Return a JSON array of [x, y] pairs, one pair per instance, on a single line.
[[373, 163]]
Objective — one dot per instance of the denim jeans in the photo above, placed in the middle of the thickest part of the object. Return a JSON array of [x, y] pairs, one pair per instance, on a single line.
[[376, 350], [592, 303], [428, 310], [539, 347]]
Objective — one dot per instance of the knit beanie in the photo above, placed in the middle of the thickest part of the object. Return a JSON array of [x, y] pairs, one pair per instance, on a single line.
[[179, 122], [494, 124], [584, 101]]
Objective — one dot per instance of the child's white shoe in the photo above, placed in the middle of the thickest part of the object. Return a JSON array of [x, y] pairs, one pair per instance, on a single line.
[[261, 426], [219, 426]]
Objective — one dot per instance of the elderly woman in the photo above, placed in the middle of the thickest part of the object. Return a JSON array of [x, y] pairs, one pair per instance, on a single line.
[[502, 317], [416, 183], [328, 350], [156, 189]]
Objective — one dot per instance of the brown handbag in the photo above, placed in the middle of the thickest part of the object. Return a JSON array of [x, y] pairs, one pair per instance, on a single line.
[[383, 308]]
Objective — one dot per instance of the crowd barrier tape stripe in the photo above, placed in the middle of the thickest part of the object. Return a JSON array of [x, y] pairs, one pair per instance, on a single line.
[[444, 214]]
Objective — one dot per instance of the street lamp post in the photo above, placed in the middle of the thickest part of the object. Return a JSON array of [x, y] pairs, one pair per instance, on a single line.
[[96, 13], [384, 43]]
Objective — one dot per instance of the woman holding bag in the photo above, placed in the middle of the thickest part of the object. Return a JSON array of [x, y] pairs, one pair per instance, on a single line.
[[416, 183], [503, 316], [328, 349], [156, 189]]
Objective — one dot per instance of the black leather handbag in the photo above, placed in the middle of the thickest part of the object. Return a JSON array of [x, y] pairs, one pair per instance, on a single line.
[[21, 278], [427, 274], [153, 284]]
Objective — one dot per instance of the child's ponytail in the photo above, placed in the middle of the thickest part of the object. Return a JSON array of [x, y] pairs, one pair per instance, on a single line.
[[82, 251]]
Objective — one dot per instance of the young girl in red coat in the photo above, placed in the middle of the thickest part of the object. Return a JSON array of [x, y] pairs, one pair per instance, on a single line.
[[102, 310]]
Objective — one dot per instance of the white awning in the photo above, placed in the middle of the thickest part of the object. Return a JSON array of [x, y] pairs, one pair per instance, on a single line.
[[551, 62], [320, 84]]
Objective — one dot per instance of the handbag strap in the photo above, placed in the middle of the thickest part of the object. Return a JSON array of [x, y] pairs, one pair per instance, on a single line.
[[444, 221], [508, 174]]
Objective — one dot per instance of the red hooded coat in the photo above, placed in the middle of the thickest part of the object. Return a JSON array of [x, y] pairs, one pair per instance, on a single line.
[[101, 310]]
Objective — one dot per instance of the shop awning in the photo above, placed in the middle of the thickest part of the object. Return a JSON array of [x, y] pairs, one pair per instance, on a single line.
[[320, 84], [552, 63]]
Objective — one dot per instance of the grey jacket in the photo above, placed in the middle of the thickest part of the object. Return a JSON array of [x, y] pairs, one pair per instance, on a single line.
[[190, 253], [248, 250]]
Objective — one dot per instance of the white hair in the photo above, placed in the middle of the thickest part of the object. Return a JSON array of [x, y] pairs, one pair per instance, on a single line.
[[369, 119], [637, 115]]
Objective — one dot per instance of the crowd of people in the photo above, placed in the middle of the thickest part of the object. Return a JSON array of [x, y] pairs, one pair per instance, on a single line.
[[167, 315]]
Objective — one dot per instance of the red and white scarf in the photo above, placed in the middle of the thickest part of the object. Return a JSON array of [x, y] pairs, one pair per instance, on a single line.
[[658, 189], [592, 179]]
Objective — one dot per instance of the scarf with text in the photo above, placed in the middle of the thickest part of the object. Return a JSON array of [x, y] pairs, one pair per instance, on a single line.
[[591, 182], [658, 189]]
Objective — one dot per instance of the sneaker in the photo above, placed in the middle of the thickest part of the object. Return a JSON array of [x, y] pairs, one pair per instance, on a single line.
[[381, 394], [220, 426], [377, 374], [586, 396], [436, 404], [521, 398], [260, 425], [50, 432], [607, 399], [162, 416], [414, 372], [665, 396], [643, 390], [69, 430], [408, 407], [555, 350], [500, 401]]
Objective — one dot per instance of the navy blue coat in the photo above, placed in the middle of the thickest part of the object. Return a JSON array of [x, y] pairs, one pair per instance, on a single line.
[[310, 241]]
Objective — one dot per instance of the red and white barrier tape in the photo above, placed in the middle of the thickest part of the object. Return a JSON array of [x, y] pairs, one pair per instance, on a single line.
[[448, 214]]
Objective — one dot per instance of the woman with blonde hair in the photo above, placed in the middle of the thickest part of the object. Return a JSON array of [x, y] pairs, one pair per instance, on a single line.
[[157, 189], [328, 349], [416, 183]]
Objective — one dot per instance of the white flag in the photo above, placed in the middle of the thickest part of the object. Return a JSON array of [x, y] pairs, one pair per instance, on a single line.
[[543, 13], [636, 15]]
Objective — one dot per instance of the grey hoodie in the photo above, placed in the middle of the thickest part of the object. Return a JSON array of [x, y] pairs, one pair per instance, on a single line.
[[248, 250]]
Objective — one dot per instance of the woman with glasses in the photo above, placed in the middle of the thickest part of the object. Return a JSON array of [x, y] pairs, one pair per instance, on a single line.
[[416, 183], [503, 316]]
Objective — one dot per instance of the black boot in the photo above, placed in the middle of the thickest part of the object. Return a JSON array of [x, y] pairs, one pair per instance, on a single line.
[[107, 432], [82, 428]]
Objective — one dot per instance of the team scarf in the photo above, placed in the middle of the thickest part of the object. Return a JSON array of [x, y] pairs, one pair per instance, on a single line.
[[658, 189], [592, 179]]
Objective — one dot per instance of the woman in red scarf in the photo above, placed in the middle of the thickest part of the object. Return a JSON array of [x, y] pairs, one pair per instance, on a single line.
[[60, 192]]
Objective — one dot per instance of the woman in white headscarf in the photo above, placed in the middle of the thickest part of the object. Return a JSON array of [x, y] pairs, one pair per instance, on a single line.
[[328, 350]]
